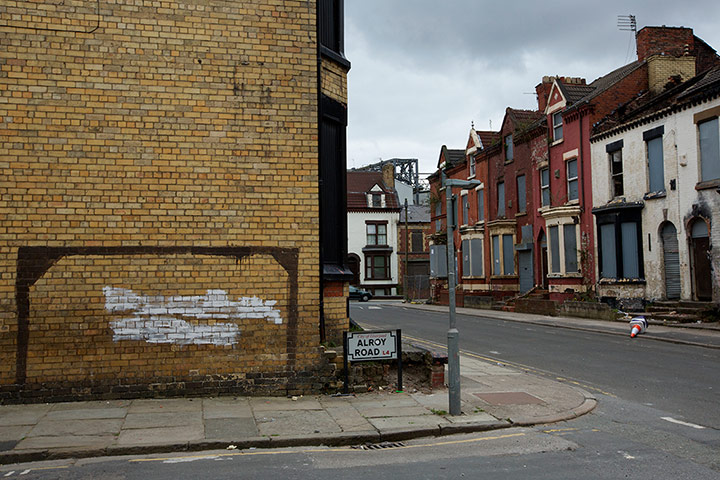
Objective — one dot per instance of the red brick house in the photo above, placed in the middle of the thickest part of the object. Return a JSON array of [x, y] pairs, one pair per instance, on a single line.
[[572, 108]]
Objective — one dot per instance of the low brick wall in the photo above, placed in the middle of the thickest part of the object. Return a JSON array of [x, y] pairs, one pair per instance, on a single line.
[[478, 301], [422, 369], [535, 305], [597, 310]]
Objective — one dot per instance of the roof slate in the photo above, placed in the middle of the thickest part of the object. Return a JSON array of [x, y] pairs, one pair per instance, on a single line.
[[416, 214], [359, 185]]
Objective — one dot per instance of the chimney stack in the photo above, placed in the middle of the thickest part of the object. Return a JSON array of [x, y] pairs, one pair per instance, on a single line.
[[388, 174]]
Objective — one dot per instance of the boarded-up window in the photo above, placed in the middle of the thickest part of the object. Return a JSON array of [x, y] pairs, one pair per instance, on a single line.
[[656, 168], [497, 267], [465, 210], [438, 261], [472, 257], [481, 205], [508, 255], [709, 149], [629, 250], [476, 258], [608, 267], [554, 249], [417, 242], [501, 199], [521, 197], [570, 242]]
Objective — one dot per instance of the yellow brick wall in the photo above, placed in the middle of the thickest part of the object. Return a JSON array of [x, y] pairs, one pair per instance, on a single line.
[[334, 80], [661, 68], [158, 124]]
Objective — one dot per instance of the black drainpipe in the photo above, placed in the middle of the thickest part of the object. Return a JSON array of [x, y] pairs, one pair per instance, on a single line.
[[320, 180]]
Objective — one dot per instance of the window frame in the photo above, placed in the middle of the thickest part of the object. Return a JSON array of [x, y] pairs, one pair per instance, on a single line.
[[556, 126], [617, 217], [368, 235], [614, 150], [509, 153], [545, 187], [573, 247], [414, 235], [501, 244], [501, 207], [655, 167], [472, 248], [702, 150], [521, 191], [570, 180], [480, 200], [465, 207], [371, 268], [471, 166]]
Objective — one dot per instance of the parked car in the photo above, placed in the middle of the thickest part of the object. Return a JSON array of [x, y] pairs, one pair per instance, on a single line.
[[359, 294]]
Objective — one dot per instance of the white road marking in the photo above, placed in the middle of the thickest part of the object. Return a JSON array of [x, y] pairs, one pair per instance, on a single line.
[[25, 472], [680, 422], [626, 455], [9, 473], [494, 352], [374, 308]]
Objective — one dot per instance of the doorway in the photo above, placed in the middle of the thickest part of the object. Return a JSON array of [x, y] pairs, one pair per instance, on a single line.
[[354, 266], [671, 260], [700, 256], [542, 241]]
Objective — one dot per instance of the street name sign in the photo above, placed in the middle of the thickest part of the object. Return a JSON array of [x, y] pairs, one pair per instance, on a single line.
[[366, 346], [372, 346]]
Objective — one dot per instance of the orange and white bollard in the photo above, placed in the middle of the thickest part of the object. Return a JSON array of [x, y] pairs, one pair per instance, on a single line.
[[637, 325]]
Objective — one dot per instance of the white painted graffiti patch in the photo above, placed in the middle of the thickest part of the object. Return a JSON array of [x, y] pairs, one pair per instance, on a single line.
[[160, 319]]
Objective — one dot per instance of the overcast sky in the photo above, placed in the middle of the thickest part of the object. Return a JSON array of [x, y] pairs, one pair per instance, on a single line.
[[422, 70]]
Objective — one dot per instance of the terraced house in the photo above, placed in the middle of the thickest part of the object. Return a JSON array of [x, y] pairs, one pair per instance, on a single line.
[[548, 193], [172, 196]]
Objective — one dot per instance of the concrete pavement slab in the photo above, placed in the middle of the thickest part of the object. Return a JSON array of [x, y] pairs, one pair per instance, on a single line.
[[348, 418], [90, 405], [86, 413], [231, 407], [14, 432], [391, 411], [230, 428], [64, 442], [165, 405], [414, 421], [22, 414], [471, 417], [169, 419], [68, 428], [297, 422], [160, 436], [264, 404]]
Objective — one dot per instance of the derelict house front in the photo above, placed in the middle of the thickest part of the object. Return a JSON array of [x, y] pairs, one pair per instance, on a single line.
[[160, 197]]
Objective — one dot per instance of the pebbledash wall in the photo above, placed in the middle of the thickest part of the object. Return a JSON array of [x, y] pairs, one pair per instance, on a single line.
[[159, 199]]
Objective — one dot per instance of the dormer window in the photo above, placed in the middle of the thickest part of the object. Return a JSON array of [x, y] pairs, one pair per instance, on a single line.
[[472, 166], [376, 200]]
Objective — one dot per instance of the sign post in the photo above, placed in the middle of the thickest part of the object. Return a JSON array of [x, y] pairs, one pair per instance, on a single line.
[[372, 345]]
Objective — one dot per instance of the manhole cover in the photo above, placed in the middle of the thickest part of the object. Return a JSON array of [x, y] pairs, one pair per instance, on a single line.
[[509, 398]]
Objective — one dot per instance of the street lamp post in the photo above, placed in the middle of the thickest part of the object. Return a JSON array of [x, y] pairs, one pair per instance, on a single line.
[[453, 334]]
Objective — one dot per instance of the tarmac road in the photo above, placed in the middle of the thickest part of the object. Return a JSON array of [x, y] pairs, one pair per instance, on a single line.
[[662, 396]]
